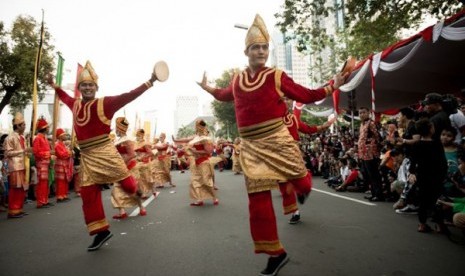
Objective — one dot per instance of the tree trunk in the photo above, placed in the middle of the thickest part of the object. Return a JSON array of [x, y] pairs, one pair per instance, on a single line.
[[6, 98]]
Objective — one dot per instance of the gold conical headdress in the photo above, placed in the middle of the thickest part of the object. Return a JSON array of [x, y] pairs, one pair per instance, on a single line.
[[257, 33], [88, 74]]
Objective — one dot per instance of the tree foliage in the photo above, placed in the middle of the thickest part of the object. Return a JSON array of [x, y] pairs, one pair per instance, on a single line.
[[184, 132], [368, 26], [224, 111], [18, 48]]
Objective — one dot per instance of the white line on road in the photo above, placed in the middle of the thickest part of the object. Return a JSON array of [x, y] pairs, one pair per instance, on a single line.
[[147, 202], [344, 197]]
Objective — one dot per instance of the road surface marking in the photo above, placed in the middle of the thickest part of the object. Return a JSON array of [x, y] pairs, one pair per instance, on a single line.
[[146, 202], [344, 197]]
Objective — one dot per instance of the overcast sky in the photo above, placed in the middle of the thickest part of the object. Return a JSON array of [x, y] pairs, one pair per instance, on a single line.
[[123, 40]]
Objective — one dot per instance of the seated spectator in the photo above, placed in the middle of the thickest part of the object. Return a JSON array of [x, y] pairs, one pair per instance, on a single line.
[[353, 180], [400, 185], [452, 152], [344, 172], [453, 208]]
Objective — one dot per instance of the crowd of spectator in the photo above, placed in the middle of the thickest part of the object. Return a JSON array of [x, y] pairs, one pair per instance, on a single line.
[[413, 159]]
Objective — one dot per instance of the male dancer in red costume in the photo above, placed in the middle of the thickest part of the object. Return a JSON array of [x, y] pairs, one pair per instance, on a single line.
[[100, 161], [42, 156], [269, 153], [63, 173]]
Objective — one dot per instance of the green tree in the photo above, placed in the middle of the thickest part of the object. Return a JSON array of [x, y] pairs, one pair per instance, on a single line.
[[368, 26], [185, 132], [224, 111], [18, 48]]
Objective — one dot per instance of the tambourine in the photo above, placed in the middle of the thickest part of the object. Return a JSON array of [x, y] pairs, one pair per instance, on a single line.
[[161, 71]]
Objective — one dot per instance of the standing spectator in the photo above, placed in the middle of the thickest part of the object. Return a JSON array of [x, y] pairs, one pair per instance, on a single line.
[[428, 170], [437, 115], [410, 135], [368, 154]]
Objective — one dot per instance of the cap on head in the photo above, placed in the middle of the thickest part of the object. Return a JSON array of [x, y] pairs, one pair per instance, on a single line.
[[41, 124], [18, 119], [257, 33], [88, 74], [60, 132], [432, 98]]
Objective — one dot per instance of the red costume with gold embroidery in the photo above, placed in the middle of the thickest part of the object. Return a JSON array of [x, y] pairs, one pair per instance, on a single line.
[[260, 110], [258, 99], [100, 161]]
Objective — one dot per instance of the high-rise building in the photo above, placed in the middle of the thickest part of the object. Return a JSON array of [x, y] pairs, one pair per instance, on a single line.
[[286, 57], [187, 108]]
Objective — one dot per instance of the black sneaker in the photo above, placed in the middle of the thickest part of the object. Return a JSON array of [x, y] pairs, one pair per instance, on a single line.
[[20, 215], [294, 219], [301, 198], [99, 240], [274, 265]]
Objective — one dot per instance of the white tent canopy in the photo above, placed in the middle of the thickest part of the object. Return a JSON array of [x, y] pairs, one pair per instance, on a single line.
[[430, 61]]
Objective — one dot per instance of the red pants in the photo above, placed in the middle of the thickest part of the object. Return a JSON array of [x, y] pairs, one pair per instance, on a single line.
[[16, 198], [287, 189], [42, 192], [289, 198], [62, 189], [263, 224], [302, 185], [94, 214]]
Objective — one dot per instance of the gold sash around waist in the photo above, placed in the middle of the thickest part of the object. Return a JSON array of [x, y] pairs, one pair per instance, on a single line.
[[101, 163], [267, 160]]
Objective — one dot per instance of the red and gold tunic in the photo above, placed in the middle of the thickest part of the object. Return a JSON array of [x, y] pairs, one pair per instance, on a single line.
[[259, 100], [100, 162], [269, 153]]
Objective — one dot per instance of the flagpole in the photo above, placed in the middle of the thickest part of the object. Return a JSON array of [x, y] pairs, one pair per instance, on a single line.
[[34, 98], [56, 102], [36, 75]]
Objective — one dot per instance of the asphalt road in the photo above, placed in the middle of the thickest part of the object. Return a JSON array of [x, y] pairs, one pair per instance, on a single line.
[[340, 234]]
